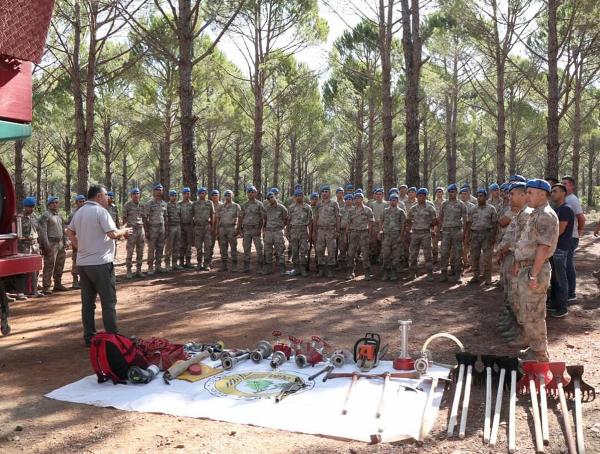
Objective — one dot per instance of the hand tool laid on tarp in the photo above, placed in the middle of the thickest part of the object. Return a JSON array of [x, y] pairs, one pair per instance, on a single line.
[[497, 368], [556, 388], [577, 389], [181, 366], [536, 375]]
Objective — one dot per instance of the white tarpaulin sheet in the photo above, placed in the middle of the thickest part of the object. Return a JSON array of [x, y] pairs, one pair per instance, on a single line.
[[232, 397]]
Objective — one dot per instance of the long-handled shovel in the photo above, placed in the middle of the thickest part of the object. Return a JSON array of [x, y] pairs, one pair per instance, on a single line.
[[556, 387], [574, 389], [498, 362], [465, 404], [488, 362], [465, 361]]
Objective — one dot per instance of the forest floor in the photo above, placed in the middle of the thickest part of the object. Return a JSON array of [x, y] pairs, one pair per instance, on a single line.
[[45, 351]]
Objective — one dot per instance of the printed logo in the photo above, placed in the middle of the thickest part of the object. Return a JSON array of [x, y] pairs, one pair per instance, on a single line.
[[253, 385]]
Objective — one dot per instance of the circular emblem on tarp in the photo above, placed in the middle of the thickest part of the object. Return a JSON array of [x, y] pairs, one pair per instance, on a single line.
[[254, 385]]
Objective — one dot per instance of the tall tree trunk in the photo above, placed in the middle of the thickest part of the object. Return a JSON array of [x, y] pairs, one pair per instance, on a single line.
[[124, 179], [474, 181], [370, 141], [577, 128], [450, 137], [68, 160], [412, 49], [107, 153], [19, 184], [552, 121], [210, 166], [512, 154], [591, 161], [500, 110], [38, 173], [258, 81], [237, 166], [186, 96], [359, 152], [83, 164], [277, 154], [385, 51], [293, 158], [426, 152]]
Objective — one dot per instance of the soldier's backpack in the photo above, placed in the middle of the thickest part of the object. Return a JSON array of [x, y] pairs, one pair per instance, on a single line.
[[112, 355]]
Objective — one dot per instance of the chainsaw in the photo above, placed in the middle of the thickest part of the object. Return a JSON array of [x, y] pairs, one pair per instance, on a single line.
[[368, 351]]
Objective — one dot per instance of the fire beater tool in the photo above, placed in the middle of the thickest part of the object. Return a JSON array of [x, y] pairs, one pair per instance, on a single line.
[[536, 375], [497, 363], [577, 389], [556, 388]]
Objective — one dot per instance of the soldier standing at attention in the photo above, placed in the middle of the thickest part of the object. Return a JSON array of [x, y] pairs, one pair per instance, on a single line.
[[28, 243], [215, 198], [155, 212], [298, 231], [204, 222], [359, 232], [79, 201], [349, 189], [345, 214], [452, 219], [421, 218], [403, 194], [228, 218], [339, 196], [133, 217], [411, 198], [252, 221], [173, 243], [481, 233], [378, 206], [437, 203], [394, 218], [114, 214], [51, 238], [275, 221], [187, 229], [495, 199], [465, 197], [327, 225], [535, 246], [313, 201]]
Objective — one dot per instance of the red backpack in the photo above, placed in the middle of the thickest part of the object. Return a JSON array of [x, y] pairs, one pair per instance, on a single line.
[[111, 356]]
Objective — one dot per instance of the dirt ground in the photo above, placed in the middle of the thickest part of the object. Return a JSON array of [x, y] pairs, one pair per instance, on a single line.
[[46, 351]]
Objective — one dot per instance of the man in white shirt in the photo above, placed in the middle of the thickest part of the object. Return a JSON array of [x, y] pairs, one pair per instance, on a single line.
[[573, 202], [92, 231]]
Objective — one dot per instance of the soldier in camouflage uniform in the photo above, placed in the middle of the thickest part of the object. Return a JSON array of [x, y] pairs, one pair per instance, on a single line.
[[114, 214], [52, 243], [313, 202], [392, 226], [275, 221], [481, 233], [410, 200], [173, 234], [534, 247], [403, 194], [495, 200], [465, 197], [421, 218], [252, 221], [437, 203], [339, 196], [155, 213], [512, 316], [378, 206], [204, 221], [345, 214], [187, 230], [79, 202], [28, 243], [359, 232], [228, 218], [327, 227], [452, 219], [299, 229], [215, 198], [133, 218]]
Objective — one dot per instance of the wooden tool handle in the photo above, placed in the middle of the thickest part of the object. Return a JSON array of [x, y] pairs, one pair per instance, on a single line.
[[565, 414], [579, 419], [496, 424], [544, 411], [425, 423], [382, 399], [352, 383], [539, 442], [488, 405], [465, 406], [456, 400], [512, 445]]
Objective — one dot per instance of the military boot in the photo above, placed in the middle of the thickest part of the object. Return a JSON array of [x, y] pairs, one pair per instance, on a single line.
[[167, 265], [474, 280], [58, 287], [75, 285], [150, 271], [304, 270], [444, 276], [267, 268], [138, 273], [223, 265], [393, 274], [234, 266], [429, 276], [412, 275], [385, 275], [129, 273], [282, 270], [368, 275], [321, 272], [246, 267], [329, 271]]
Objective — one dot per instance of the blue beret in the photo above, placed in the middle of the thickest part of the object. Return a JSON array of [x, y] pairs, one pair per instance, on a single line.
[[452, 187], [358, 195], [463, 189], [51, 199], [515, 185], [158, 187], [172, 192], [314, 195], [348, 197], [338, 190], [298, 186], [251, 189], [378, 191], [80, 198], [403, 186], [494, 187], [359, 190], [215, 192], [466, 186], [298, 192], [29, 201], [274, 191], [423, 191], [394, 196], [110, 194], [504, 186], [412, 189], [482, 191], [134, 191], [325, 187], [539, 184], [517, 178], [349, 187], [394, 191], [186, 190], [228, 192], [270, 194], [201, 189]]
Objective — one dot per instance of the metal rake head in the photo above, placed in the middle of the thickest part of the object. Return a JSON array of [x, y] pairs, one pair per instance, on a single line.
[[466, 359], [534, 370], [558, 376], [588, 393]]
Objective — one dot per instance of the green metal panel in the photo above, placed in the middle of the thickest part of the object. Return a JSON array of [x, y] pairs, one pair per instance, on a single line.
[[13, 131]]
